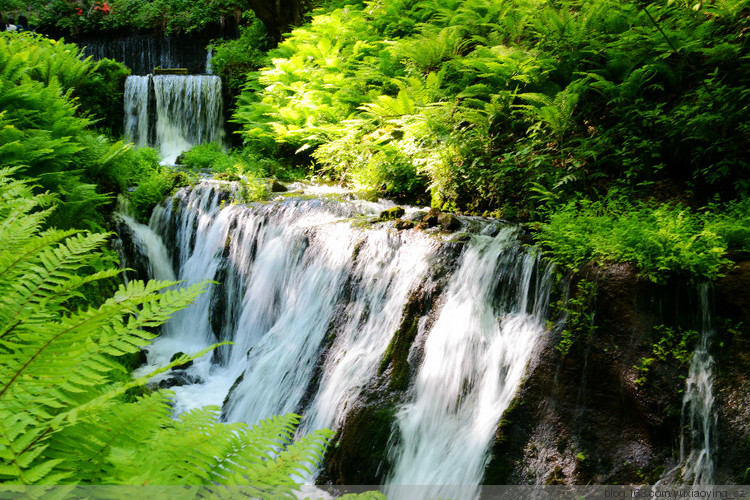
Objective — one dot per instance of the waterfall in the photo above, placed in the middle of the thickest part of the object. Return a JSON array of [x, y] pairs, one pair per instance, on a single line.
[[173, 112], [698, 436], [209, 64], [311, 300], [475, 357], [697, 404]]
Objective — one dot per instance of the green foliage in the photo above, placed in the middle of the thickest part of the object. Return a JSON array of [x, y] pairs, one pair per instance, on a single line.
[[663, 240], [514, 106], [102, 95], [643, 367], [673, 343], [578, 316], [154, 187], [47, 134], [62, 420], [168, 16], [234, 59]]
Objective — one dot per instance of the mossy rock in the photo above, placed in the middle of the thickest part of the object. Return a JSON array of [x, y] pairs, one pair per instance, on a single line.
[[277, 187], [402, 224], [392, 213], [360, 453], [448, 222], [397, 352]]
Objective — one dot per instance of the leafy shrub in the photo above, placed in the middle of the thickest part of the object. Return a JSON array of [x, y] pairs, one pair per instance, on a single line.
[[42, 129], [168, 16], [233, 59], [505, 105], [152, 189], [102, 95], [662, 240]]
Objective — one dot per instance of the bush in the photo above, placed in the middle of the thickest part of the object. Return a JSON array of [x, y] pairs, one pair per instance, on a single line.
[[662, 241], [102, 95], [152, 189], [491, 105], [233, 60]]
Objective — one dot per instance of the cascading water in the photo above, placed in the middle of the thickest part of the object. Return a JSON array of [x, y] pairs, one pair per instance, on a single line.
[[311, 301], [173, 112], [475, 356], [137, 110], [698, 437]]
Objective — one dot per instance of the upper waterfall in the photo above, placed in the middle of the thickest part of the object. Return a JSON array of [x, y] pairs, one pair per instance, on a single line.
[[173, 112]]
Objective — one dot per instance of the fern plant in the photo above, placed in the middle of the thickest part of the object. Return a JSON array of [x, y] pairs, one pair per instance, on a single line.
[[62, 418]]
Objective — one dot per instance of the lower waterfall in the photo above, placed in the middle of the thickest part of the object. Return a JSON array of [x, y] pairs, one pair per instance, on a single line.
[[311, 294]]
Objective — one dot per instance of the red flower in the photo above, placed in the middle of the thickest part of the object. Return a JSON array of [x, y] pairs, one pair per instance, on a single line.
[[79, 11]]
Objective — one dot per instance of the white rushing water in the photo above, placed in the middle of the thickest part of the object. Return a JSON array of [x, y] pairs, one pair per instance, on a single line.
[[312, 301], [475, 356], [698, 436], [173, 112], [137, 93], [697, 404]]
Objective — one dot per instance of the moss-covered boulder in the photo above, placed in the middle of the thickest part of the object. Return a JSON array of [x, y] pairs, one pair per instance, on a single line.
[[448, 222], [392, 213], [402, 224], [359, 454]]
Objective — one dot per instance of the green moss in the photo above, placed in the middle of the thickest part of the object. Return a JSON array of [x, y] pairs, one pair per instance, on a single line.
[[398, 350], [555, 477], [392, 213]]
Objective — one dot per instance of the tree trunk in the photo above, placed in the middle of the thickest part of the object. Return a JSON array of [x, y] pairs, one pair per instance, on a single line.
[[279, 15]]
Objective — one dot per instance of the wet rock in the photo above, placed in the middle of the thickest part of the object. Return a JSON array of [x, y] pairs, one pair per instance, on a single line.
[[403, 224], [360, 452], [234, 387], [448, 222], [178, 379], [581, 418], [139, 358], [180, 160], [431, 218], [733, 290], [277, 187], [218, 304], [417, 216], [131, 255], [392, 213], [460, 238], [177, 356]]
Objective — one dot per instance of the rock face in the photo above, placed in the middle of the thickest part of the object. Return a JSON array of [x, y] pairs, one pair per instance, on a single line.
[[732, 384], [587, 418]]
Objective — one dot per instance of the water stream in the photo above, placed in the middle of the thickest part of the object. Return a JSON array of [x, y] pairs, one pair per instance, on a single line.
[[311, 298], [697, 447], [173, 112], [699, 421]]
